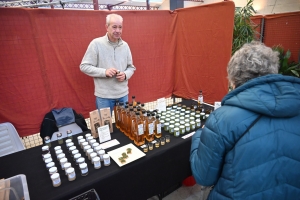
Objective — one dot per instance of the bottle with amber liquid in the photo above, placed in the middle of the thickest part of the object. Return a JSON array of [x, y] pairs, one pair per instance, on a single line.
[[131, 121], [153, 114], [149, 135], [123, 119], [115, 110], [138, 130], [157, 131], [128, 122], [134, 103]]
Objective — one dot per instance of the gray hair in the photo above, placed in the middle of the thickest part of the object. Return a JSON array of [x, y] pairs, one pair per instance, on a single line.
[[250, 61], [108, 18]]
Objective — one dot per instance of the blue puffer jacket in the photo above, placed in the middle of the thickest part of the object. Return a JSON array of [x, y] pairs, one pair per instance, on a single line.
[[265, 162]]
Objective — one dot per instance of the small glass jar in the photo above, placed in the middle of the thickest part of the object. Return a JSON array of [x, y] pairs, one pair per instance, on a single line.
[[50, 164], [97, 163], [166, 126], [71, 174], [79, 138], [45, 157], [69, 134], [59, 138], [76, 156], [52, 170], [45, 150], [88, 139], [197, 116], [202, 116], [92, 141], [84, 169], [61, 156], [198, 123], [187, 127], [192, 119], [81, 141], [76, 151], [176, 125], [84, 144], [68, 141], [92, 155], [59, 151], [106, 160], [96, 144], [162, 122], [80, 160], [193, 125], [87, 135], [55, 180], [70, 144], [176, 132], [67, 165], [86, 148], [88, 153], [72, 148], [47, 141], [57, 148], [101, 153], [171, 129], [97, 149], [182, 129], [48, 160], [62, 162]]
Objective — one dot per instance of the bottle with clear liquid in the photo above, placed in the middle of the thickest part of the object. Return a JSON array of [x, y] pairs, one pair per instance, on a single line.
[[138, 130], [149, 128], [157, 131]]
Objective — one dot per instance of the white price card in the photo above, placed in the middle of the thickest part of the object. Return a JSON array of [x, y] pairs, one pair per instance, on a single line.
[[217, 105], [104, 133], [161, 104]]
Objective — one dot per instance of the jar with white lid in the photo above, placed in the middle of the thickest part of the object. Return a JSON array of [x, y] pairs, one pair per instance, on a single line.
[[106, 160], [50, 164], [71, 149], [45, 150], [92, 155], [67, 165], [57, 148], [88, 139], [60, 156], [47, 156], [84, 144], [96, 144], [86, 148], [48, 160], [176, 132], [98, 148], [55, 180], [80, 160], [87, 135], [101, 153], [70, 144], [187, 127], [193, 125], [176, 125], [71, 174], [79, 138], [92, 141], [81, 142], [166, 126], [68, 141], [74, 152], [84, 169], [88, 153], [182, 129], [97, 163], [62, 162], [171, 129], [198, 123], [52, 170], [76, 156], [57, 152]]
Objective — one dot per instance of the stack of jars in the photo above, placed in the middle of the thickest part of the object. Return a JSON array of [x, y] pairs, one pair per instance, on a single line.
[[137, 123], [179, 119]]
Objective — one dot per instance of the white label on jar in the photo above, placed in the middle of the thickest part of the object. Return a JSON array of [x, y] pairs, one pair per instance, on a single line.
[[177, 133], [97, 164], [56, 181], [198, 124], [72, 175], [158, 128], [140, 129], [187, 128], [107, 161], [85, 170], [150, 128]]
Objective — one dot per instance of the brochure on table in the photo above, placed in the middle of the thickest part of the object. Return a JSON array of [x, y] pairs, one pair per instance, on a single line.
[[104, 133], [161, 104]]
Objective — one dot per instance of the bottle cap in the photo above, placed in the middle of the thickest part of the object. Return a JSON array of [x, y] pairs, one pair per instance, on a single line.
[[83, 165], [55, 176]]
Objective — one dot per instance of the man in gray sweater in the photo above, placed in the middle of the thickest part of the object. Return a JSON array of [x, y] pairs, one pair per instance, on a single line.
[[108, 60]]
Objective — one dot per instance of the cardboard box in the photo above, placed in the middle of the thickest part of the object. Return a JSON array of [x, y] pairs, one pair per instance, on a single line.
[[95, 121], [106, 118]]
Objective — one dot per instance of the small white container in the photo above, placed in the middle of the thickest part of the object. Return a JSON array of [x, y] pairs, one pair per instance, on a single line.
[[71, 174], [48, 160], [88, 139], [106, 160], [74, 152], [92, 155], [97, 163], [50, 164], [86, 148], [96, 144], [88, 153], [67, 165], [70, 144], [81, 142], [55, 180], [57, 152], [60, 156], [62, 162], [101, 153], [84, 169], [57, 148], [80, 160], [46, 156], [68, 141], [76, 156], [98, 148], [84, 144], [87, 135], [52, 170], [92, 141]]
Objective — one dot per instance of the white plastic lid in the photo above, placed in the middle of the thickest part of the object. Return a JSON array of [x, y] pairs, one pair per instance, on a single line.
[[90, 138], [87, 135], [96, 144], [79, 137], [89, 150], [70, 144], [93, 155], [87, 147], [176, 129], [192, 122], [48, 160], [181, 126], [53, 169], [45, 148], [95, 159], [57, 148], [70, 170], [98, 148], [74, 152], [63, 160], [82, 140], [68, 141], [83, 165], [101, 151], [85, 143], [50, 164], [59, 151], [47, 156], [67, 165], [55, 176], [77, 155], [72, 148], [105, 156], [81, 160], [62, 155]]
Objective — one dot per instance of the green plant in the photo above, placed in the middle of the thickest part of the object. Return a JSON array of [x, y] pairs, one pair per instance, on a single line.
[[244, 28], [285, 67]]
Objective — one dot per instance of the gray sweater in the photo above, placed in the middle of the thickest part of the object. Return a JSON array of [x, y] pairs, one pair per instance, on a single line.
[[100, 55]]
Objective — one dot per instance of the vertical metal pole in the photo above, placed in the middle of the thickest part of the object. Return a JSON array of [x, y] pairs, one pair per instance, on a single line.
[[262, 29], [147, 4], [96, 4]]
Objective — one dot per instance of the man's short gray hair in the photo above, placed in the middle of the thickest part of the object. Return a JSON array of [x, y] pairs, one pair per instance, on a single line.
[[108, 18], [252, 60]]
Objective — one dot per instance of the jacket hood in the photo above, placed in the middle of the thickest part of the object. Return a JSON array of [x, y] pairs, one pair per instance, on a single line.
[[272, 95]]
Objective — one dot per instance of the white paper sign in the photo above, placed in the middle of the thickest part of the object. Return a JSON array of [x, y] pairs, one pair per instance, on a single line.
[[161, 104], [104, 133], [217, 105], [109, 144]]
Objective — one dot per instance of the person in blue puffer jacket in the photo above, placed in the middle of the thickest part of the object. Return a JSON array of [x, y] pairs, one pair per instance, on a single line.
[[250, 147]]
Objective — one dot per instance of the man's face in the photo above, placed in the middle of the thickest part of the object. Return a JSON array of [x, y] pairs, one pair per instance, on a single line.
[[114, 29]]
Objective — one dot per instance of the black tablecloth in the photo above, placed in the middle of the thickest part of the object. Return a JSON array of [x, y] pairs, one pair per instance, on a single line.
[[151, 175]]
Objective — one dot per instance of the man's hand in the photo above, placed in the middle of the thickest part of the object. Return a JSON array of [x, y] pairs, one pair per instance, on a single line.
[[121, 76], [110, 72]]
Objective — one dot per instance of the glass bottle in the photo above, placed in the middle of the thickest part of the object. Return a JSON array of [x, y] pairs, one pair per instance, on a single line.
[[106, 160], [84, 169], [157, 131], [56, 180], [124, 115], [115, 110], [133, 101], [149, 128], [118, 113], [71, 174], [138, 130], [200, 98], [132, 118], [121, 113]]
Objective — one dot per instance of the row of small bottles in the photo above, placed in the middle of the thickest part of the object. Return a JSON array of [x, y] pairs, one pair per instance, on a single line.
[[137, 123]]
